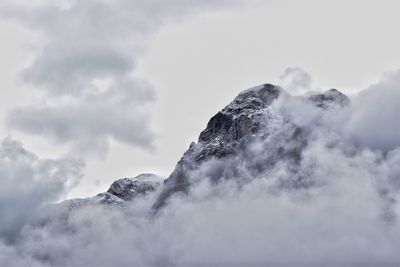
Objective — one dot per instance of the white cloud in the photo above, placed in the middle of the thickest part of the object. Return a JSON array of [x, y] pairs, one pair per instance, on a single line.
[[89, 121], [86, 41], [375, 120], [296, 81], [28, 182]]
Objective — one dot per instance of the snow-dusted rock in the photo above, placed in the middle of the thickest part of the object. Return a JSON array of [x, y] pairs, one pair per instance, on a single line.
[[120, 192], [236, 121], [129, 188]]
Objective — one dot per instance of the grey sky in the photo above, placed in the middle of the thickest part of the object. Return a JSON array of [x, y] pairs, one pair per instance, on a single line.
[[168, 70]]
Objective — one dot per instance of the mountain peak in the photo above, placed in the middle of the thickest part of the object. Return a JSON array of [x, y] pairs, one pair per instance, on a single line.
[[236, 120], [232, 130], [266, 92]]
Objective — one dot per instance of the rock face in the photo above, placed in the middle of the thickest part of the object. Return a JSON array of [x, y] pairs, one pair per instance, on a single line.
[[236, 121], [229, 138]]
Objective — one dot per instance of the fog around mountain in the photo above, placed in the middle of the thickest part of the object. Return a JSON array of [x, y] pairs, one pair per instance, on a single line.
[[309, 179]]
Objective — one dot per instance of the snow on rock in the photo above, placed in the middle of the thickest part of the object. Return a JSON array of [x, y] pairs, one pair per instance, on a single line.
[[120, 192], [129, 188]]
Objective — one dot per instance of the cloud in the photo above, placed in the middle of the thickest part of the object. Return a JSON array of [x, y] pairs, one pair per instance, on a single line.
[[221, 225], [85, 42], [374, 119], [336, 205], [27, 182], [296, 81], [90, 121]]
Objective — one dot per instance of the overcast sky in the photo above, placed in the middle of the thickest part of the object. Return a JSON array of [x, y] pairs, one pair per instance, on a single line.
[[127, 85]]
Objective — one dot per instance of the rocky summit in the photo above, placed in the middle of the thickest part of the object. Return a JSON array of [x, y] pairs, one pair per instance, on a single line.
[[226, 147]]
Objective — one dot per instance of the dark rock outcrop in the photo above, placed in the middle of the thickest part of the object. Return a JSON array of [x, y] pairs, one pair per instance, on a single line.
[[235, 122]]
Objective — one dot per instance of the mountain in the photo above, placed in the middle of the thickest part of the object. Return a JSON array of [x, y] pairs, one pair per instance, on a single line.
[[245, 140], [226, 148]]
